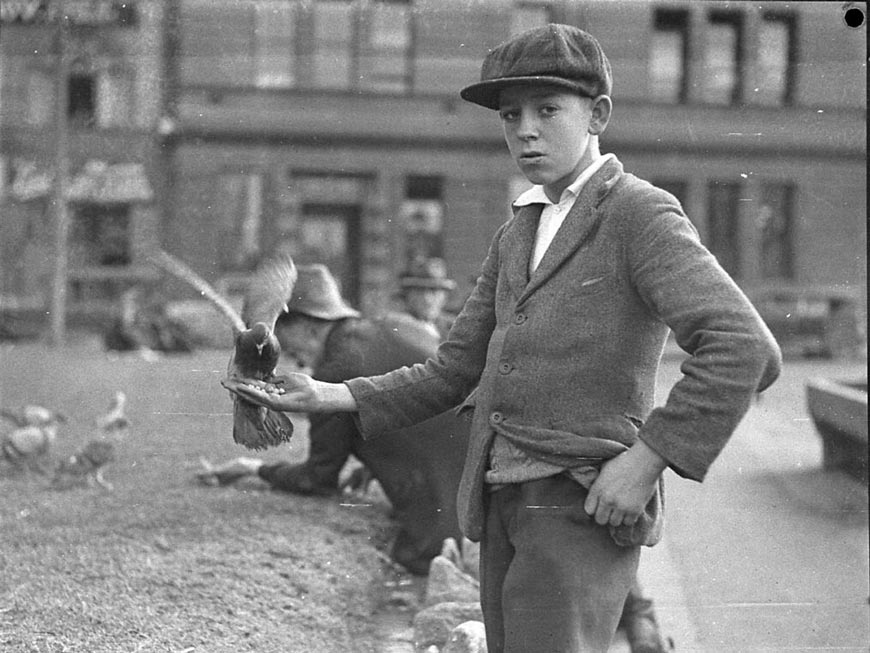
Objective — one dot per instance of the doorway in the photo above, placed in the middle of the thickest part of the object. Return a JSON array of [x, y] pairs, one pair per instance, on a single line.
[[330, 234]]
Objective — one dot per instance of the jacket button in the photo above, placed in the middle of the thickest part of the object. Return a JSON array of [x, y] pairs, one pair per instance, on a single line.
[[505, 368], [496, 418], [519, 318]]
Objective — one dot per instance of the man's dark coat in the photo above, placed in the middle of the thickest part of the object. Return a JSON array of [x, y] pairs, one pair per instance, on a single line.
[[418, 467]]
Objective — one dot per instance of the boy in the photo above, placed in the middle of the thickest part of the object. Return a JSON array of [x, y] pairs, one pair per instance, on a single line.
[[562, 338]]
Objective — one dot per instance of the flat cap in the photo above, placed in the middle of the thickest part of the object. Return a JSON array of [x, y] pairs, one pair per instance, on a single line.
[[557, 54]]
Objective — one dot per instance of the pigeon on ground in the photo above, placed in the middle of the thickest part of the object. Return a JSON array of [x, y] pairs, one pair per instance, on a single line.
[[29, 444], [32, 415], [115, 420], [86, 466], [256, 350]]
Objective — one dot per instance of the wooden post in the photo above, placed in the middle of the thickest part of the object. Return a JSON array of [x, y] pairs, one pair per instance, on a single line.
[[61, 175]]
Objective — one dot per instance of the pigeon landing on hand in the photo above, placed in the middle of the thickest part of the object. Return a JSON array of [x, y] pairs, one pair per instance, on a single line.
[[256, 350]]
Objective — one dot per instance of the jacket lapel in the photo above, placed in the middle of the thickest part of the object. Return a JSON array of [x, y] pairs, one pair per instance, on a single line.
[[518, 242], [579, 225]]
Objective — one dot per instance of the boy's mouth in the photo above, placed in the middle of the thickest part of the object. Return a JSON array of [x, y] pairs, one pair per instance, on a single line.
[[531, 157]]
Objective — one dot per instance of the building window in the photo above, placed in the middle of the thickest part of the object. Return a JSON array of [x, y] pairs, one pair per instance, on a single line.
[[323, 44], [775, 220], [333, 43], [81, 108], [385, 59], [723, 62], [331, 234], [528, 15], [777, 60], [240, 215], [100, 236], [723, 228], [40, 98], [324, 223], [275, 57], [669, 55], [105, 99], [115, 98], [422, 218]]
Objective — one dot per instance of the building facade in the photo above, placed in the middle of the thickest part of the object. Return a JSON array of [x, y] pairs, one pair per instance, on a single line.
[[333, 129], [81, 92]]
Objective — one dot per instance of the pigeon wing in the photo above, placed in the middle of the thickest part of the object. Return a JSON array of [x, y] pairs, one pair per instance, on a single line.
[[165, 261], [269, 290]]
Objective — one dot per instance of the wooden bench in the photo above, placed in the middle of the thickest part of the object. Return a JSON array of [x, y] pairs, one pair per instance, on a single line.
[[839, 412]]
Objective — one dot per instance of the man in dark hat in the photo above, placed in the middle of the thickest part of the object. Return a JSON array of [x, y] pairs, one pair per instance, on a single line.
[[418, 467], [424, 289], [561, 341]]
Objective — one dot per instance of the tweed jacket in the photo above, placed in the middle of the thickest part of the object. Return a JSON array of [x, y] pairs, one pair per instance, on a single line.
[[575, 347]]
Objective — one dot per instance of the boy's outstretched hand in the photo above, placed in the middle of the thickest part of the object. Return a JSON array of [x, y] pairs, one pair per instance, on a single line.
[[293, 393]]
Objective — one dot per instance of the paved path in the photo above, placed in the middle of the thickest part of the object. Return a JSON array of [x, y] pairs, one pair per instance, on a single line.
[[770, 553]]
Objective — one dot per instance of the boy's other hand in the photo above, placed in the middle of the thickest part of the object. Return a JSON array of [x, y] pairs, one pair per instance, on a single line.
[[625, 485]]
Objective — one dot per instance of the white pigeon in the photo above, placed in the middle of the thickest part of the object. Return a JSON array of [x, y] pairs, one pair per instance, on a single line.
[[115, 419]]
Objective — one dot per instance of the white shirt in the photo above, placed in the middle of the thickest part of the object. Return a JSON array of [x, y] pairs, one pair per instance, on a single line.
[[553, 215]]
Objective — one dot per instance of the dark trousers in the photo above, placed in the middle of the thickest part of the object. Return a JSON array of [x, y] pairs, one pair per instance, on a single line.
[[552, 580]]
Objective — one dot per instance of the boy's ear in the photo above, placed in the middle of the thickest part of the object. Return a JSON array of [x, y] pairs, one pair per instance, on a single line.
[[601, 109]]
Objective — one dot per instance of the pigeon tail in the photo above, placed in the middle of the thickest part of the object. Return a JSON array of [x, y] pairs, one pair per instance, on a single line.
[[257, 427]]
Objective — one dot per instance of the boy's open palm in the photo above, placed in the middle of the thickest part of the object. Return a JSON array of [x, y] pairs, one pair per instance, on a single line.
[[293, 393]]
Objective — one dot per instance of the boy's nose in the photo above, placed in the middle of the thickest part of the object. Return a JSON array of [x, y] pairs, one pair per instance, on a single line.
[[528, 127]]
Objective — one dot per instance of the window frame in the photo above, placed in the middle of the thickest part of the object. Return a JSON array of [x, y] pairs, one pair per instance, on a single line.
[[737, 19], [672, 19], [787, 191], [790, 20]]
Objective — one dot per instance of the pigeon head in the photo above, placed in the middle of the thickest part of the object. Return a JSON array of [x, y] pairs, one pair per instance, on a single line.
[[260, 334], [257, 351]]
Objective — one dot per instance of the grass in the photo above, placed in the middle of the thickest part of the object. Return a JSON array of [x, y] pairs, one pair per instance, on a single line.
[[163, 563]]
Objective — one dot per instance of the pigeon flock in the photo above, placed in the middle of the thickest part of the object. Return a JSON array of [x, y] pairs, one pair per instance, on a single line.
[[27, 447]]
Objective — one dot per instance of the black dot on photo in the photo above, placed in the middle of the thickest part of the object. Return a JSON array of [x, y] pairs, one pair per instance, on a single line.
[[854, 17]]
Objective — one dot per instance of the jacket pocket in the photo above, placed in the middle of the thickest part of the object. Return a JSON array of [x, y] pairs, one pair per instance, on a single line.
[[595, 282]]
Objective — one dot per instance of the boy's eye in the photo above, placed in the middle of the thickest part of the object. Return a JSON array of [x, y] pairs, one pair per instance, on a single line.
[[549, 110], [509, 115]]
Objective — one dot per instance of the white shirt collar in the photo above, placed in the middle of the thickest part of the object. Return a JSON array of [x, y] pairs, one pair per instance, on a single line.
[[536, 194]]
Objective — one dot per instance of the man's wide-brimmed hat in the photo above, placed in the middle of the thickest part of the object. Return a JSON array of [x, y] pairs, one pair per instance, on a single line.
[[562, 55], [316, 294], [431, 273]]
